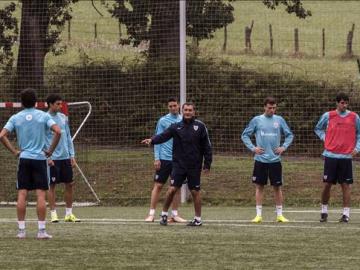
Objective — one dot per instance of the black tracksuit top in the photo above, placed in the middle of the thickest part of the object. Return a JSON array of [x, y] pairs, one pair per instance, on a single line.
[[191, 144]]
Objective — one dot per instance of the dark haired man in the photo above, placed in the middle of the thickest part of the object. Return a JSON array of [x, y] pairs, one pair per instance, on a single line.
[[61, 162], [191, 148], [163, 163], [340, 131], [31, 126], [268, 128]]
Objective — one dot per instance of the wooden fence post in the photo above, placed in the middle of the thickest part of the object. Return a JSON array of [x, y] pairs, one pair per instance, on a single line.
[[323, 42], [248, 31], [349, 41], [225, 39], [271, 40], [296, 34], [95, 31]]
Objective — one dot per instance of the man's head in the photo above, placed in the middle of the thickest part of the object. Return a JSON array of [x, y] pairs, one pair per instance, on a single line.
[[269, 106], [28, 98], [173, 105], [188, 110], [342, 102], [54, 103]]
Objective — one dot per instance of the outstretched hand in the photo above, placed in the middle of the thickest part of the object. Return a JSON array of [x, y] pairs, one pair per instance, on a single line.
[[146, 141]]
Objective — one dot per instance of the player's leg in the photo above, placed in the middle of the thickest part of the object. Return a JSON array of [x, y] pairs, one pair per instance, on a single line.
[[155, 195], [21, 212], [193, 177], [168, 199], [346, 190], [52, 204], [175, 217], [66, 177], [346, 181], [23, 184], [329, 178], [260, 176], [178, 176], [160, 178], [54, 177], [275, 176], [41, 185]]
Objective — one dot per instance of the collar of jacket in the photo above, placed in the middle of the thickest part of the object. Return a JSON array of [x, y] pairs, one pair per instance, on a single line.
[[188, 122]]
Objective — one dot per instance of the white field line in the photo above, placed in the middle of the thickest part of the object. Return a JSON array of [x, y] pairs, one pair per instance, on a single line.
[[207, 222]]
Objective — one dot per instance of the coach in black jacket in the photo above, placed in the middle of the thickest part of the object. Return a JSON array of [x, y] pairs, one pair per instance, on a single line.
[[191, 148]]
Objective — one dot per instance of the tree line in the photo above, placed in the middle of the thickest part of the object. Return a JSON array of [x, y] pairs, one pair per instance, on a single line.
[[154, 21]]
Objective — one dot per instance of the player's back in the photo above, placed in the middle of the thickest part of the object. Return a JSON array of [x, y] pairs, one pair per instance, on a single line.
[[30, 126]]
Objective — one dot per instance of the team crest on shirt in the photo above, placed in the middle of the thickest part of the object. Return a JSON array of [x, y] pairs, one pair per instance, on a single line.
[[172, 181], [254, 178], [276, 125], [28, 117], [325, 177], [53, 179], [156, 177], [196, 128]]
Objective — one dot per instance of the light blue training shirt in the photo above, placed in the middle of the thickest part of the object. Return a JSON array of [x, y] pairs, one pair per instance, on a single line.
[[164, 151], [65, 148], [320, 130], [31, 126], [268, 131]]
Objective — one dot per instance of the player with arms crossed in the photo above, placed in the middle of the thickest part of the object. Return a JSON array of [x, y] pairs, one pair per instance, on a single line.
[[31, 126], [268, 128], [163, 163], [340, 131], [191, 148], [61, 162]]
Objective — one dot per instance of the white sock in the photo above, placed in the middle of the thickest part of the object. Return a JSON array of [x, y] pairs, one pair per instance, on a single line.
[[152, 212], [197, 218], [174, 213], [164, 213], [53, 211], [21, 224], [259, 210], [346, 211], [324, 209], [279, 210], [41, 225], [68, 211]]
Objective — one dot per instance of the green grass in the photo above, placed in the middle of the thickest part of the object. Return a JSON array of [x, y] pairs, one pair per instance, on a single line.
[[124, 177], [231, 244], [336, 17]]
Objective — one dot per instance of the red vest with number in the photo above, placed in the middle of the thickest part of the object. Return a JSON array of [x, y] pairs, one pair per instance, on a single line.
[[341, 133]]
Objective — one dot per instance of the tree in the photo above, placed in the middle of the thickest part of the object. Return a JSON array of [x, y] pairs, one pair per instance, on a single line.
[[41, 25], [8, 35], [157, 21], [292, 6]]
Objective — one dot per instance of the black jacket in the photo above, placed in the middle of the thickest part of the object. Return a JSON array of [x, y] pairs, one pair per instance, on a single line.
[[191, 143]]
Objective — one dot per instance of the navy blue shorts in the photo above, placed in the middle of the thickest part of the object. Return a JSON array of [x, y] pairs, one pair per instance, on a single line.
[[179, 176], [338, 170], [162, 175], [264, 171], [32, 174], [61, 172]]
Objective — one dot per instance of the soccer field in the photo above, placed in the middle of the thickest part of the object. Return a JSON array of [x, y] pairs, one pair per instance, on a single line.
[[117, 238]]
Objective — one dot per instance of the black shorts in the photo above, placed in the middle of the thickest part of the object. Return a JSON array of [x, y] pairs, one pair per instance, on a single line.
[[162, 175], [264, 171], [32, 174], [61, 172], [338, 170], [180, 175]]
